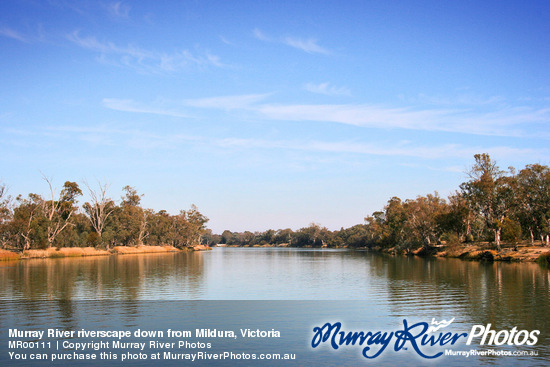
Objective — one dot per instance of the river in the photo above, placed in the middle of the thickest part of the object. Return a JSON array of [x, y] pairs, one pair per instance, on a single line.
[[289, 290]]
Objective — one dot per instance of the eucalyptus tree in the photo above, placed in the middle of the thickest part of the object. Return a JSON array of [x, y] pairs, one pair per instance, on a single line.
[[130, 219], [59, 211], [533, 192], [395, 217], [375, 223], [28, 222], [99, 209], [194, 226], [284, 236], [490, 192], [160, 229], [6, 216], [456, 218], [421, 218]]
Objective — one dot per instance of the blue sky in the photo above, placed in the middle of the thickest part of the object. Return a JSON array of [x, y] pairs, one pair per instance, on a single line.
[[270, 114]]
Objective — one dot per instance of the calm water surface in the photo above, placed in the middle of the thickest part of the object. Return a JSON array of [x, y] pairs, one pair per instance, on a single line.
[[338, 285]]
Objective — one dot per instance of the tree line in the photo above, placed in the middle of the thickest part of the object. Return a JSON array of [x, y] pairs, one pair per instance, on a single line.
[[493, 205], [36, 222]]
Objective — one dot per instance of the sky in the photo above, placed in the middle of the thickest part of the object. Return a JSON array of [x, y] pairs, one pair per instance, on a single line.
[[270, 114]]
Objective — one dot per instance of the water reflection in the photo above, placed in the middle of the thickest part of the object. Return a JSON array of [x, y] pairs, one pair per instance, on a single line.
[[126, 277], [387, 288]]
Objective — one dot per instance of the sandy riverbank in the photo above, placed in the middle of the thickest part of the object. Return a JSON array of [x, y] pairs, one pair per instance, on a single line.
[[482, 252], [91, 251]]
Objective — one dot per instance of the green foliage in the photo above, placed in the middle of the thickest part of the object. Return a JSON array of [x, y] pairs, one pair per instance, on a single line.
[[492, 204], [36, 223], [93, 239], [511, 231]]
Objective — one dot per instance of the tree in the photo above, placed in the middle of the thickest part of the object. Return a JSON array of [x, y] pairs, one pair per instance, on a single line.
[[284, 236], [195, 226], [6, 215], [456, 218], [394, 222], [130, 219], [533, 193], [131, 196], [28, 219], [357, 236], [490, 192], [59, 212], [375, 226], [99, 210], [422, 216]]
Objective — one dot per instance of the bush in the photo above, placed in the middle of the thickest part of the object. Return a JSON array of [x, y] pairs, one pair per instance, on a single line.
[[93, 239], [544, 259], [511, 231]]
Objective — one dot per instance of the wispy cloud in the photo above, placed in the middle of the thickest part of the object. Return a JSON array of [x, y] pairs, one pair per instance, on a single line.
[[119, 9], [226, 41], [510, 121], [309, 45], [227, 102], [464, 99], [358, 115], [178, 108], [144, 60], [128, 105], [103, 135], [91, 43], [327, 89], [260, 35], [13, 34], [389, 148]]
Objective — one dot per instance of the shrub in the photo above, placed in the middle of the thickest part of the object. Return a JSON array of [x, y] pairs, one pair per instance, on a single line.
[[511, 231], [544, 259]]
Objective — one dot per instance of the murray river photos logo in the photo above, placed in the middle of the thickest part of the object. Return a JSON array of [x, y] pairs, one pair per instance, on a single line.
[[425, 339]]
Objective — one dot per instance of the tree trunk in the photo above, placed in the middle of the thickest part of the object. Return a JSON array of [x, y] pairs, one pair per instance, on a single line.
[[497, 239]]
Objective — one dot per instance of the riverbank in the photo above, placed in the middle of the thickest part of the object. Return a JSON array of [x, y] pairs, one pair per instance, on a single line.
[[91, 251], [480, 252], [473, 252]]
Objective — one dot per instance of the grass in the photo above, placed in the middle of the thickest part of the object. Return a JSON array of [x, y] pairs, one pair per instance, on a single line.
[[142, 249], [63, 252], [6, 255], [82, 251]]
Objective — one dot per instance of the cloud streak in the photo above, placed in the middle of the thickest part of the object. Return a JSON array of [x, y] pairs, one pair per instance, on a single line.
[[10, 33], [227, 102], [506, 121], [128, 105], [327, 89], [119, 10], [509, 121], [389, 149], [309, 45], [143, 140], [143, 60]]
